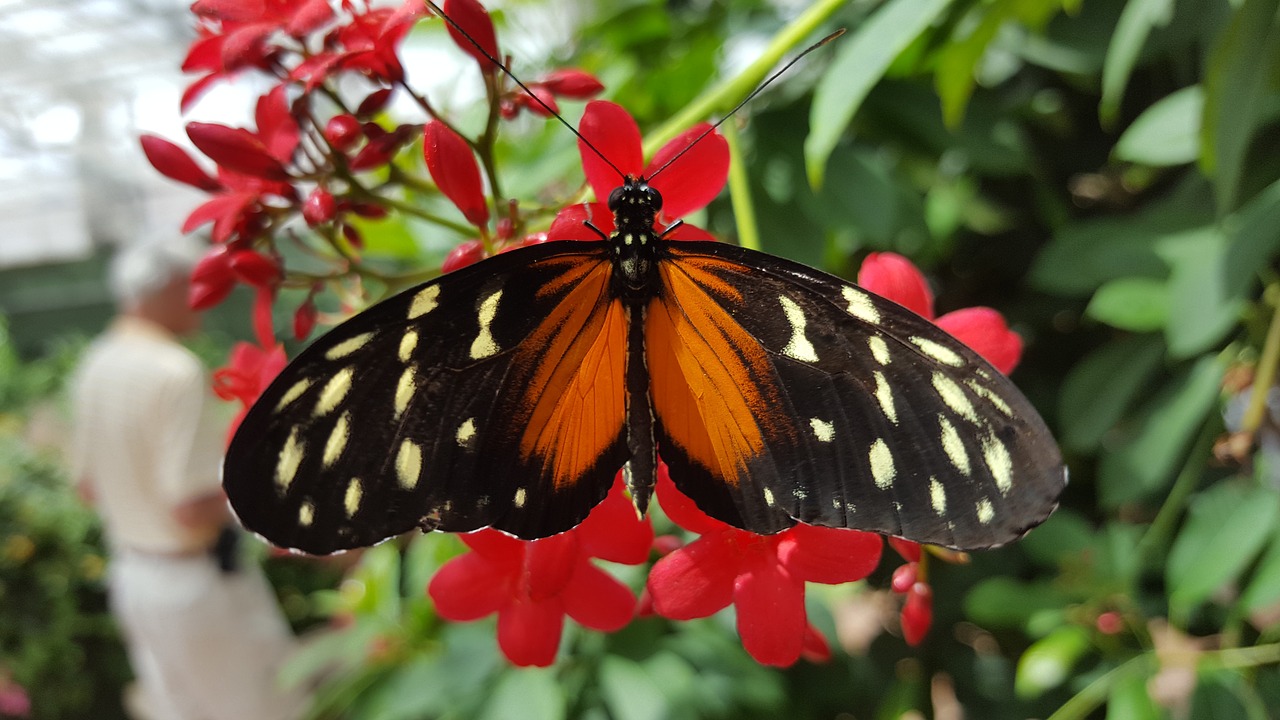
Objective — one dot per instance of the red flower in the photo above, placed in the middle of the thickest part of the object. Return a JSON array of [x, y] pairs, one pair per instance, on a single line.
[[569, 83], [984, 330], [917, 613], [367, 44], [250, 369], [688, 184], [763, 576], [532, 585], [453, 168]]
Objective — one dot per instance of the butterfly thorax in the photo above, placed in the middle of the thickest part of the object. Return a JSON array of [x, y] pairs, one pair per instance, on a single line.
[[633, 245]]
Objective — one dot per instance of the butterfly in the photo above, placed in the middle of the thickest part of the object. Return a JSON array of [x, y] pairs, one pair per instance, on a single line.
[[509, 393]]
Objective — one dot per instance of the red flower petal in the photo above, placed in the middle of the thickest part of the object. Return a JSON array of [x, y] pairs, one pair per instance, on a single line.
[[904, 577], [771, 615], [496, 546], [548, 106], [694, 179], [262, 325], [985, 331], [309, 16], [613, 532], [688, 232], [549, 563], [695, 581], [572, 83], [816, 648], [683, 511], [173, 162], [892, 276], [236, 149], [917, 613], [612, 131], [469, 587], [453, 168], [569, 222], [474, 21], [254, 268], [910, 551], [468, 253], [595, 600], [276, 126], [829, 555], [529, 632], [304, 318], [211, 279], [197, 89], [246, 46]]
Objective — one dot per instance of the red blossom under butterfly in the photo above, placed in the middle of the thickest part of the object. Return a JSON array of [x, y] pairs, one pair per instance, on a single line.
[[762, 576], [248, 372], [532, 585], [687, 185]]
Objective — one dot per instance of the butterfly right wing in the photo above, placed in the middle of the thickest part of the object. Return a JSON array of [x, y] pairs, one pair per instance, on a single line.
[[462, 403]]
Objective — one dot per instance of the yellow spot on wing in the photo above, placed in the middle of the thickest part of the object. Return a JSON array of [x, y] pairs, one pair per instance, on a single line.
[[882, 470], [823, 430], [884, 395], [953, 395], [879, 349], [937, 497], [424, 302], [289, 460], [408, 343], [938, 351], [404, 390], [799, 346], [334, 391], [337, 439], [466, 432], [996, 455], [348, 346], [860, 305], [306, 513], [953, 446], [484, 345], [985, 511], [409, 464], [351, 500], [293, 393]]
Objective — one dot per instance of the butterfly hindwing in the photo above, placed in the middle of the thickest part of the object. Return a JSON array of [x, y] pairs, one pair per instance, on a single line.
[[829, 405], [492, 396]]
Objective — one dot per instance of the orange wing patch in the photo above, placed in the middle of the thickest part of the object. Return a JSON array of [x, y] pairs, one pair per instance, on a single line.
[[575, 394], [707, 374]]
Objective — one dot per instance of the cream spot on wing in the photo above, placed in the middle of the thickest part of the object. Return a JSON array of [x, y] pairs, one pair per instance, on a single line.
[[466, 432], [408, 343], [404, 390], [351, 500], [985, 511], [289, 460], [938, 351], [860, 305], [882, 470], [293, 393], [879, 349], [953, 395], [337, 439], [800, 493], [348, 346], [484, 345], [424, 302], [823, 430], [520, 497], [799, 346], [996, 455], [953, 446], [334, 391], [768, 497], [306, 513], [409, 464], [937, 497], [884, 395], [990, 396]]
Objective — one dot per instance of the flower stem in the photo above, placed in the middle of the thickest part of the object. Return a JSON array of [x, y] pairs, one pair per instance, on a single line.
[[744, 212], [1265, 375], [731, 91]]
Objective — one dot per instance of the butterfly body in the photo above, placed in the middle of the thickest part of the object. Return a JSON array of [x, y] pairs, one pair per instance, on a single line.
[[509, 393]]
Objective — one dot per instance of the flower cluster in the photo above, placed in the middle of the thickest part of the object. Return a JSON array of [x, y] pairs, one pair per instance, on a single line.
[[321, 159]]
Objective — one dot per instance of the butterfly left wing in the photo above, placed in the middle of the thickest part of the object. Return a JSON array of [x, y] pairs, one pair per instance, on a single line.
[[783, 394], [491, 396]]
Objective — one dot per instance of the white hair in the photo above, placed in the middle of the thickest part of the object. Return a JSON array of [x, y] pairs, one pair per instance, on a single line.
[[142, 267]]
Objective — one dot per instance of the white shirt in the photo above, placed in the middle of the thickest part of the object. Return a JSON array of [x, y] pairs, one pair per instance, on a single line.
[[146, 437]]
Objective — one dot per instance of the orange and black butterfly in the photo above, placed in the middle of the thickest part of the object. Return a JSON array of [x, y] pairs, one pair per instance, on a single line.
[[509, 393]]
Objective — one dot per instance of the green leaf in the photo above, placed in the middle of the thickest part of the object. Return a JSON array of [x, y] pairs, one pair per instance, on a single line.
[[1142, 462], [630, 692], [1264, 590], [1048, 662], [1064, 535], [1132, 303], [1136, 21], [1168, 132], [859, 64], [1129, 699], [528, 694], [1237, 87], [1253, 240], [1101, 387], [1225, 529], [1203, 305], [1002, 602]]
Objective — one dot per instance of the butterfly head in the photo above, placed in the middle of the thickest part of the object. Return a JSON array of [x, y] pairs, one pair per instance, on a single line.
[[635, 205]]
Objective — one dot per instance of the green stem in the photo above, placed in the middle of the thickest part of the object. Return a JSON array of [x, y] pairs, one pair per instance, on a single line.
[[1265, 375], [1095, 693], [1247, 657], [731, 91], [1175, 502], [744, 212]]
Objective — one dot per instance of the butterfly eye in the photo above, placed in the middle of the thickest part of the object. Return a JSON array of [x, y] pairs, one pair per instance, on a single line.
[[655, 197], [615, 198]]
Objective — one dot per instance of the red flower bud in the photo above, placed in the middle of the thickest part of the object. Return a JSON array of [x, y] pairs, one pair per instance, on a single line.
[[474, 21], [304, 318], [236, 149], [254, 268], [1110, 623], [468, 253], [373, 103], [453, 167], [572, 83], [353, 236], [546, 108], [904, 578], [173, 162], [342, 131], [318, 207], [211, 279], [917, 613]]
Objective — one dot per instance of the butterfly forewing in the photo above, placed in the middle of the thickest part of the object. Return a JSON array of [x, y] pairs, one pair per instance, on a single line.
[[489, 397], [832, 406]]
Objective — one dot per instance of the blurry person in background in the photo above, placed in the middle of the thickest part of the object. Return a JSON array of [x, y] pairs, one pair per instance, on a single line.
[[205, 636]]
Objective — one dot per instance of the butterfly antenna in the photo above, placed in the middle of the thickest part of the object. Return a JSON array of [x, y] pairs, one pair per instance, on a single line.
[[747, 99], [534, 96]]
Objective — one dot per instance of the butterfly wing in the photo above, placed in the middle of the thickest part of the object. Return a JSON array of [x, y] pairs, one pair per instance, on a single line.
[[783, 394], [491, 396]]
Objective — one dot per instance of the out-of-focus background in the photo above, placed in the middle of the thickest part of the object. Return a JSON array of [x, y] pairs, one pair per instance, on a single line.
[[1105, 174]]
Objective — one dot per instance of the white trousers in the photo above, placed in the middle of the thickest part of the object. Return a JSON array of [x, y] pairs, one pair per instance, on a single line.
[[205, 645]]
